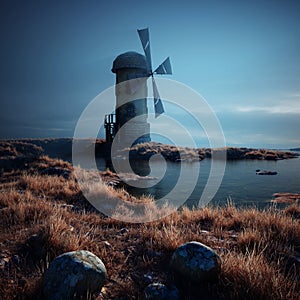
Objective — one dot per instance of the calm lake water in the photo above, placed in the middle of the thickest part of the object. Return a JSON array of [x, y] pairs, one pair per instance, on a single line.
[[240, 183]]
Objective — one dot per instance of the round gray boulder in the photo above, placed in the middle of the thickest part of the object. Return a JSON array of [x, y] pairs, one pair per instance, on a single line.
[[73, 274], [195, 262]]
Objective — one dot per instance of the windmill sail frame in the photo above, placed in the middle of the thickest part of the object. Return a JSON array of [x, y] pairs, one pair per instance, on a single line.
[[163, 69]]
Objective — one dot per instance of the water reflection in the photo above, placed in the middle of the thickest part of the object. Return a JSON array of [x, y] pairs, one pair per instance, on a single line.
[[240, 182]]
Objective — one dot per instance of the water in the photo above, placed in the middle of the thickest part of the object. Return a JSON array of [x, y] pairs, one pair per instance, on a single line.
[[240, 183]]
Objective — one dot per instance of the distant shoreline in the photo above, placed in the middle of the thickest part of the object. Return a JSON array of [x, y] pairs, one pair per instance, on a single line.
[[62, 148]]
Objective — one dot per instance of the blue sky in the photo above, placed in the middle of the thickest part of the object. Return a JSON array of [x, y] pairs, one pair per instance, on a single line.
[[241, 56]]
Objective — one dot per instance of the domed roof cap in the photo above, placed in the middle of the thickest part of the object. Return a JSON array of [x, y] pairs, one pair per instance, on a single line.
[[130, 60]]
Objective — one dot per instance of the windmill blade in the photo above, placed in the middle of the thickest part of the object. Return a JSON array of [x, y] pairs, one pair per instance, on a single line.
[[158, 106], [164, 68], [144, 37]]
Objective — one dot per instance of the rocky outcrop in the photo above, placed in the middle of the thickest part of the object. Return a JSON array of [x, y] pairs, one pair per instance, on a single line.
[[159, 291], [287, 198], [260, 154], [176, 154], [265, 172], [146, 150], [195, 262], [77, 273]]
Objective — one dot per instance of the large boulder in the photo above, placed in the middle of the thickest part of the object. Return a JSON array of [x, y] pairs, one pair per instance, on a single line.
[[195, 262], [74, 274]]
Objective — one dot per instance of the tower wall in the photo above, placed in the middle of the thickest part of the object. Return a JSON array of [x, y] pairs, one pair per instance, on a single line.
[[131, 98]]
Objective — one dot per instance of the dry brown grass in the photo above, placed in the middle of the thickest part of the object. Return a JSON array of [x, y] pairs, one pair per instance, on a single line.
[[293, 211], [49, 186], [256, 247], [251, 276], [46, 162], [170, 152]]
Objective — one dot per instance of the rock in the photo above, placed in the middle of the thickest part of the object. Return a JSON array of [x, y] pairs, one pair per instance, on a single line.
[[107, 244], [235, 153], [288, 198], [73, 274], [195, 262], [158, 291], [148, 278], [265, 172], [255, 154], [271, 156], [4, 262], [16, 260], [36, 246], [124, 230], [66, 206]]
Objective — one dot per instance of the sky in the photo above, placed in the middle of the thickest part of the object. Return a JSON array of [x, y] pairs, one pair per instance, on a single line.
[[241, 56]]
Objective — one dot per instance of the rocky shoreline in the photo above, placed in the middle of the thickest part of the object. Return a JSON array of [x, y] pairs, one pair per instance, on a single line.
[[177, 154], [62, 148], [286, 198]]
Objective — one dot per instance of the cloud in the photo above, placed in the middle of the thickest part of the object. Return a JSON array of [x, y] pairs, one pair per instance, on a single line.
[[287, 103], [277, 109], [260, 140], [49, 129], [261, 129], [290, 104], [294, 95]]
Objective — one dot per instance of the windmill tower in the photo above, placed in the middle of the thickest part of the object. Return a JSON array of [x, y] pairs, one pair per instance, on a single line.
[[131, 96]]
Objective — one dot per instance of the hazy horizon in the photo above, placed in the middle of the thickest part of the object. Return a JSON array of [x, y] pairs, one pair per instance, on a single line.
[[152, 140]]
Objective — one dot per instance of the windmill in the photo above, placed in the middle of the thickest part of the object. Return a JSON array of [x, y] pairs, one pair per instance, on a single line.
[[133, 65]]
